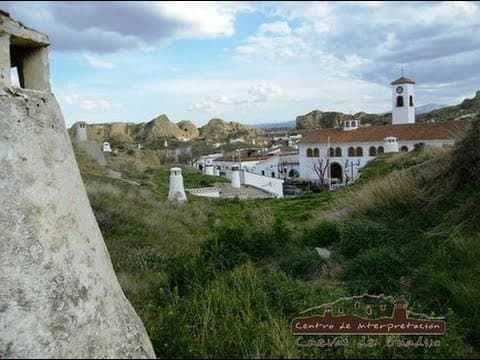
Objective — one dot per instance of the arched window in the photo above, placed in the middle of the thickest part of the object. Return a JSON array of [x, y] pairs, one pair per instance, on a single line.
[[351, 151], [316, 152], [399, 101], [372, 151], [359, 151], [309, 152], [338, 152], [331, 152], [380, 150], [411, 100], [404, 148]]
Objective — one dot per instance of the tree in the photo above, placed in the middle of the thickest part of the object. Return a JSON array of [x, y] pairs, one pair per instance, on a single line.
[[319, 167]]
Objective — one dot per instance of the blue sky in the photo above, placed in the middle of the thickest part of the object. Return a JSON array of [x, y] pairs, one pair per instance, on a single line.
[[251, 62]]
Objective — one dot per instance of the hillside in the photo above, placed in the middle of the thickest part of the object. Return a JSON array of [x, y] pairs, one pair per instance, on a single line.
[[225, 278], [317, 119], [467, 108], [162, 128], [218, 129]]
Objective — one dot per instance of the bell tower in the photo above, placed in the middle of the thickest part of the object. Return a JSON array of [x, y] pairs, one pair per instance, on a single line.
[[403, 101]]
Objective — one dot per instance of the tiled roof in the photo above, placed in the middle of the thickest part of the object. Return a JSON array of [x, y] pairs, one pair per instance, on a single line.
[[402, 80], [417, 131]]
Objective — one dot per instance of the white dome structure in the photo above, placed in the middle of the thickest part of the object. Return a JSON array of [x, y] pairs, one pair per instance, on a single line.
[[235, 180], [391, 144], [176, 192], [208, 169]]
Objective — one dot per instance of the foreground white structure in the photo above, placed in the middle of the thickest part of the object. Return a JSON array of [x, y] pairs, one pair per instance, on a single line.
[[339, 154], [176, 192], [59, 296]]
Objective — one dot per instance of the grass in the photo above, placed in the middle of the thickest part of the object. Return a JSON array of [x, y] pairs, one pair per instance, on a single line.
[[224, 278]]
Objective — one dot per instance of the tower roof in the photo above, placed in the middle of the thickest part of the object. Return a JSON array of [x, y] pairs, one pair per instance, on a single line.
[[402, 80]]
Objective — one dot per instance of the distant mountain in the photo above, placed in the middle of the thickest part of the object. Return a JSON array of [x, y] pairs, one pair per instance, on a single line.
[[466, 109], [419, 110], [275, 126], [317, 119]]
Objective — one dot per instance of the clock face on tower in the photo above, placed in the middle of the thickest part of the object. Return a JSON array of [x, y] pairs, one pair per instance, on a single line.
[[399, 89]]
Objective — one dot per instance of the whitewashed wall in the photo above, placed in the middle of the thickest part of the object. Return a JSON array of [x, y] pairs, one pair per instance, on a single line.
[[274, 186], [306, 163]]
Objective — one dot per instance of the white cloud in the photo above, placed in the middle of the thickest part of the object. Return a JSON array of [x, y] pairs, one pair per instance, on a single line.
[[109, 27], [98, 62], [277, 27], [88, 103], [204, 106]]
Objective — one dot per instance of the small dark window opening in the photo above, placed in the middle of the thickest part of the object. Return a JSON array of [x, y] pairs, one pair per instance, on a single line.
[[372, 151], [316, 152], [351, 151], [399, 101], [411, 100]]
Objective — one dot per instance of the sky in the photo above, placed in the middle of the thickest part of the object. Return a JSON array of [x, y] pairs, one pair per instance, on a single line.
[[251, 62]]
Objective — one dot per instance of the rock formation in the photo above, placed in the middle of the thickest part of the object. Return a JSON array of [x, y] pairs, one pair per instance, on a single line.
[[59, 296], [317, 119], [220, 130], [189, 130]]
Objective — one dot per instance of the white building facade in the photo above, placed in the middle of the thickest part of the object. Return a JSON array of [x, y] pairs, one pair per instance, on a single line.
[[339, 154]]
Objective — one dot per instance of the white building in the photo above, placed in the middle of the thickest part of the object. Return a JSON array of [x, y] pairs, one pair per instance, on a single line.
[[340, 153], [81, 131], [176, 191], [106, 147]]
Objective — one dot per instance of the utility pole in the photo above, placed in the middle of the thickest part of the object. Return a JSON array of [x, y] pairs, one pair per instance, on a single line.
[[328, 165]]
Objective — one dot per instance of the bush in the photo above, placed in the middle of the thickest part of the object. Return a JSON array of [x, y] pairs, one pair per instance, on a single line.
[[232, 245], [375, 271], [303, 264], [324, 233], [356, 236], [130, 152]]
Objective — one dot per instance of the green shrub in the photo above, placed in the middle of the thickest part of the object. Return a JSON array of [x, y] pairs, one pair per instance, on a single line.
[[303, 263], [356, 236], [324, 233], [375, 271], [130, 152]]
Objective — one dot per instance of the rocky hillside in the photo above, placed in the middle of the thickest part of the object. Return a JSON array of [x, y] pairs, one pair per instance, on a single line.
[[320, 120], [218, 130], [468, 108], [188, 129], [162, 128]]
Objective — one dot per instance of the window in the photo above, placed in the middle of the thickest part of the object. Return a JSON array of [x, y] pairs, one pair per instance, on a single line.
[[331, 152], [309, 152], [411, 100], [359, 151], [399, 101], [404, 148], [380, 150], [338, 152], [351, 151], [263, 172], [316, 152], [273, 174], [372, 151]]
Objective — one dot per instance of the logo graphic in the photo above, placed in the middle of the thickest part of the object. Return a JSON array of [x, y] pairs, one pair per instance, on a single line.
[[388, 318]]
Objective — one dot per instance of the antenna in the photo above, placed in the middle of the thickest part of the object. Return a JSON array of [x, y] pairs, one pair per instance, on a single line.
[[401, 63]]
